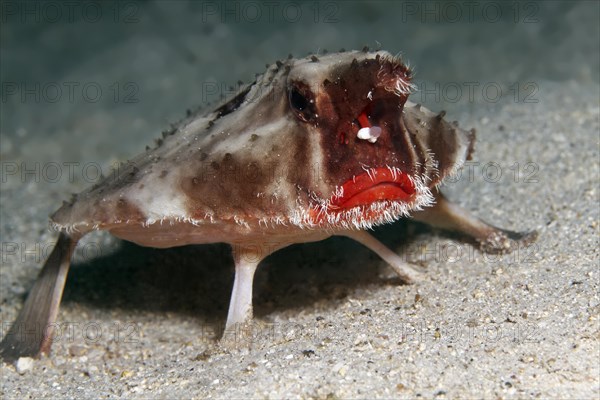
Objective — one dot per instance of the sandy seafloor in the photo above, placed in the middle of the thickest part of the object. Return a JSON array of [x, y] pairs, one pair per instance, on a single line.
[[143, 323]]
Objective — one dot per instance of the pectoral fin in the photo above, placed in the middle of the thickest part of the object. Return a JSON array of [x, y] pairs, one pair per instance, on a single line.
[[447, 215], [31, 334]]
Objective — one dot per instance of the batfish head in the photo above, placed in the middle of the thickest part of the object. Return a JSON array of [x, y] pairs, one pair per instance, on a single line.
[[373, 157], [327, 142]]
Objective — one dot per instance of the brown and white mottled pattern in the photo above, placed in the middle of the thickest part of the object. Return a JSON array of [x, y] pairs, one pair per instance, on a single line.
[[253, 167], [315, 147]]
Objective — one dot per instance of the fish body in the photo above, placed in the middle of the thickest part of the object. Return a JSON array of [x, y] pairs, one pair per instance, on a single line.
[[314, 147]]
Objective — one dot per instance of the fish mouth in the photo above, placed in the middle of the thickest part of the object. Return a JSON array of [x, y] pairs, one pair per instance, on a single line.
[[379, 195], [376, 184]]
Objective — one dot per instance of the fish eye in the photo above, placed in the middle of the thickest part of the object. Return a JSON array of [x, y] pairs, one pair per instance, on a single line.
[[297, 101], [301, 103]]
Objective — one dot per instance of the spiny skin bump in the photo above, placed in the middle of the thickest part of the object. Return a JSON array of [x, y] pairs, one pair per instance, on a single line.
[[315, 147]]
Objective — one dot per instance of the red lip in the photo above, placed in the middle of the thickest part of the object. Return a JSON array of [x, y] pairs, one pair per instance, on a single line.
[[377, 184]]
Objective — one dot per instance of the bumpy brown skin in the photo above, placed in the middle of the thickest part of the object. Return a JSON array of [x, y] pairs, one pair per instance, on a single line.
[[256, 160], [263, 168]]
